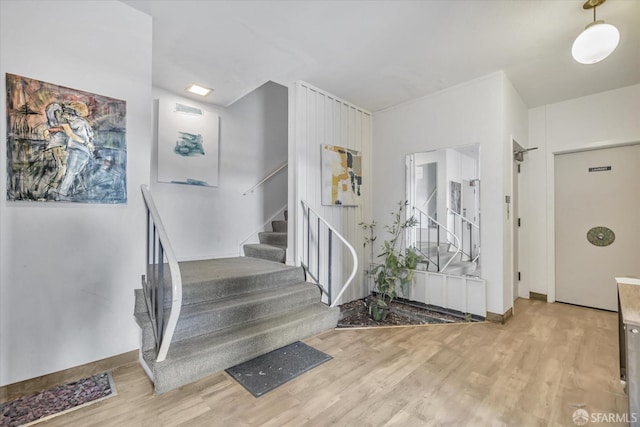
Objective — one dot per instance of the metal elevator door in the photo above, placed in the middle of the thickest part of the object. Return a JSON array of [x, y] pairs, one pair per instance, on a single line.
[[596, 191]]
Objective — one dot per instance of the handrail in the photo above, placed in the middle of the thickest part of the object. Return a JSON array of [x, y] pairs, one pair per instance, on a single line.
[[155, 301], [266, 178], [463, 218], [456, 245], [433, 193], [471, 224], [258, 230], [332, 230]]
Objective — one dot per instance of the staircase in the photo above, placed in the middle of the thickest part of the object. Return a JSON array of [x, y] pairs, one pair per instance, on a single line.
[[233, 310], [273, 244], [444, 253]]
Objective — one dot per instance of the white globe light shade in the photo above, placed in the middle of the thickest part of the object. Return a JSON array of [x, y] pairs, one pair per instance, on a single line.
[[595, 43]]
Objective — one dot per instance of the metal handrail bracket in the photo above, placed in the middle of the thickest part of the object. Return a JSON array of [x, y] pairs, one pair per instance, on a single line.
[[166, 332], [331, 232]]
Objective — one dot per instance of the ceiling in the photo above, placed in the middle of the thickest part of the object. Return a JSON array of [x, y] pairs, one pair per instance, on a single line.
[[377, 54]]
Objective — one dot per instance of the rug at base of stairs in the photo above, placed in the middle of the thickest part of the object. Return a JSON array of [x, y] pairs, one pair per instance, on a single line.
[[266, 372], [56, 401]]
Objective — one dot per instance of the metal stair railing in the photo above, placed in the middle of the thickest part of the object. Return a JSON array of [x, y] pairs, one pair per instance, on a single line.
[[266, 178], [470, 225], [433, 194], [320, 226], [153, 284], [432, 223]]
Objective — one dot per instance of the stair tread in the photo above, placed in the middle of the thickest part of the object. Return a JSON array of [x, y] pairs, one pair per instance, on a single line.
[[250, 298], [273, 238], [274, 233], [203, 280], [193, 347], [279, 225], [271, 252], [265, 246], [195, 272]]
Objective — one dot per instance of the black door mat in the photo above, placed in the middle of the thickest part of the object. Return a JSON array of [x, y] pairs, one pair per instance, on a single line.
[[266, 372]]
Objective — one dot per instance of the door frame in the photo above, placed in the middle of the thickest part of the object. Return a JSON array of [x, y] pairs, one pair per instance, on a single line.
[[517, 287]]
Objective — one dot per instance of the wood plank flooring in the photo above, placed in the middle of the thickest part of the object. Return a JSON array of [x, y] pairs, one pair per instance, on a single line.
[[536, 370]]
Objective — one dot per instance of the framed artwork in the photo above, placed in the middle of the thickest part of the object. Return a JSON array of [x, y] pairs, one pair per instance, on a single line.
[[455, 189], [188, 143], [64, 145], [341, 176]]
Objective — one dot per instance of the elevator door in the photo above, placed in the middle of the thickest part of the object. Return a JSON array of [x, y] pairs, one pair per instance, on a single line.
[[596, 191]]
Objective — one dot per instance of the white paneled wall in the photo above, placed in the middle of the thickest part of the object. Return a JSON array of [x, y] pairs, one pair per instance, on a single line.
[[465, 294], [318, 118]]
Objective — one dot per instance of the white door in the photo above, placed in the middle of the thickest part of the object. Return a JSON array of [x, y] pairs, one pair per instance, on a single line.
[[596, 191]]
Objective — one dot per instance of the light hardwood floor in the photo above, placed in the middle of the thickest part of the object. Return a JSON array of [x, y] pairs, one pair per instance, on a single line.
[[546, 362]]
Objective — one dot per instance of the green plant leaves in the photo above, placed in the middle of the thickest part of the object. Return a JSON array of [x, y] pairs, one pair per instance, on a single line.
[[397, 269]]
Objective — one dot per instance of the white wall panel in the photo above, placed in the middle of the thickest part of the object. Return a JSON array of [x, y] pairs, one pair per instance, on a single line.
[[318, 118], [462, 293]]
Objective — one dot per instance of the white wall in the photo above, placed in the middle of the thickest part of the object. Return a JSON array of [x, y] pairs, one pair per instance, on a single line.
[[320, 118], [470, 113], [210, 222], [602, 120], [67, 271], [515, 128]]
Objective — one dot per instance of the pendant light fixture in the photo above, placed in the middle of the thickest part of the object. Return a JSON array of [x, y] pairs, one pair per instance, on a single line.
[[597, 41]]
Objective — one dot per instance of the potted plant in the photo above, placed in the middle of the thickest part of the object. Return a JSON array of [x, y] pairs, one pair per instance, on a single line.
[[398, 263]]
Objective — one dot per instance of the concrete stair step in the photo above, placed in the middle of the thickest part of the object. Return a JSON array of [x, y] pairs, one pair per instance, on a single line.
[[212, 279], [207, 317], [264, 251], [279, 226], [197, 357], [273, 238], [221, 278]]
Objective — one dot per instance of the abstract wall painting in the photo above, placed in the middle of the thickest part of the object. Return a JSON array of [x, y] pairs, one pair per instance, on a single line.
[[64, 145], [341, 176], [188, 141]]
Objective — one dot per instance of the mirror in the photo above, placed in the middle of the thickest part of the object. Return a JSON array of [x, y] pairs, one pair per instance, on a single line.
[[443, 192]]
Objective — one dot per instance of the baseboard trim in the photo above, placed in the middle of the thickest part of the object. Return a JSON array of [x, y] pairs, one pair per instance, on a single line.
[[499, 318], [33, 385], [538, 297]]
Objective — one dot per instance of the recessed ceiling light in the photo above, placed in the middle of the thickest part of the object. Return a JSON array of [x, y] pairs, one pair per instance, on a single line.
[[199, 90]]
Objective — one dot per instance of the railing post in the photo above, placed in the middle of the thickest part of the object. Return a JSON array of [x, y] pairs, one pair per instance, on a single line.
[[154, 280], [438, 248], [462, 237], [148, 245], [470, 243], [309, 238], [329, 261], [160, 317]]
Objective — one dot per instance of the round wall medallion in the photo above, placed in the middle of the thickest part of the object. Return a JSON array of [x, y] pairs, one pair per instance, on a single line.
[[601, 236]]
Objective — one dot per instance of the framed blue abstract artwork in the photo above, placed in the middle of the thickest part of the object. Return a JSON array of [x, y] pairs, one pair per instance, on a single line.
[[188, 142]]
